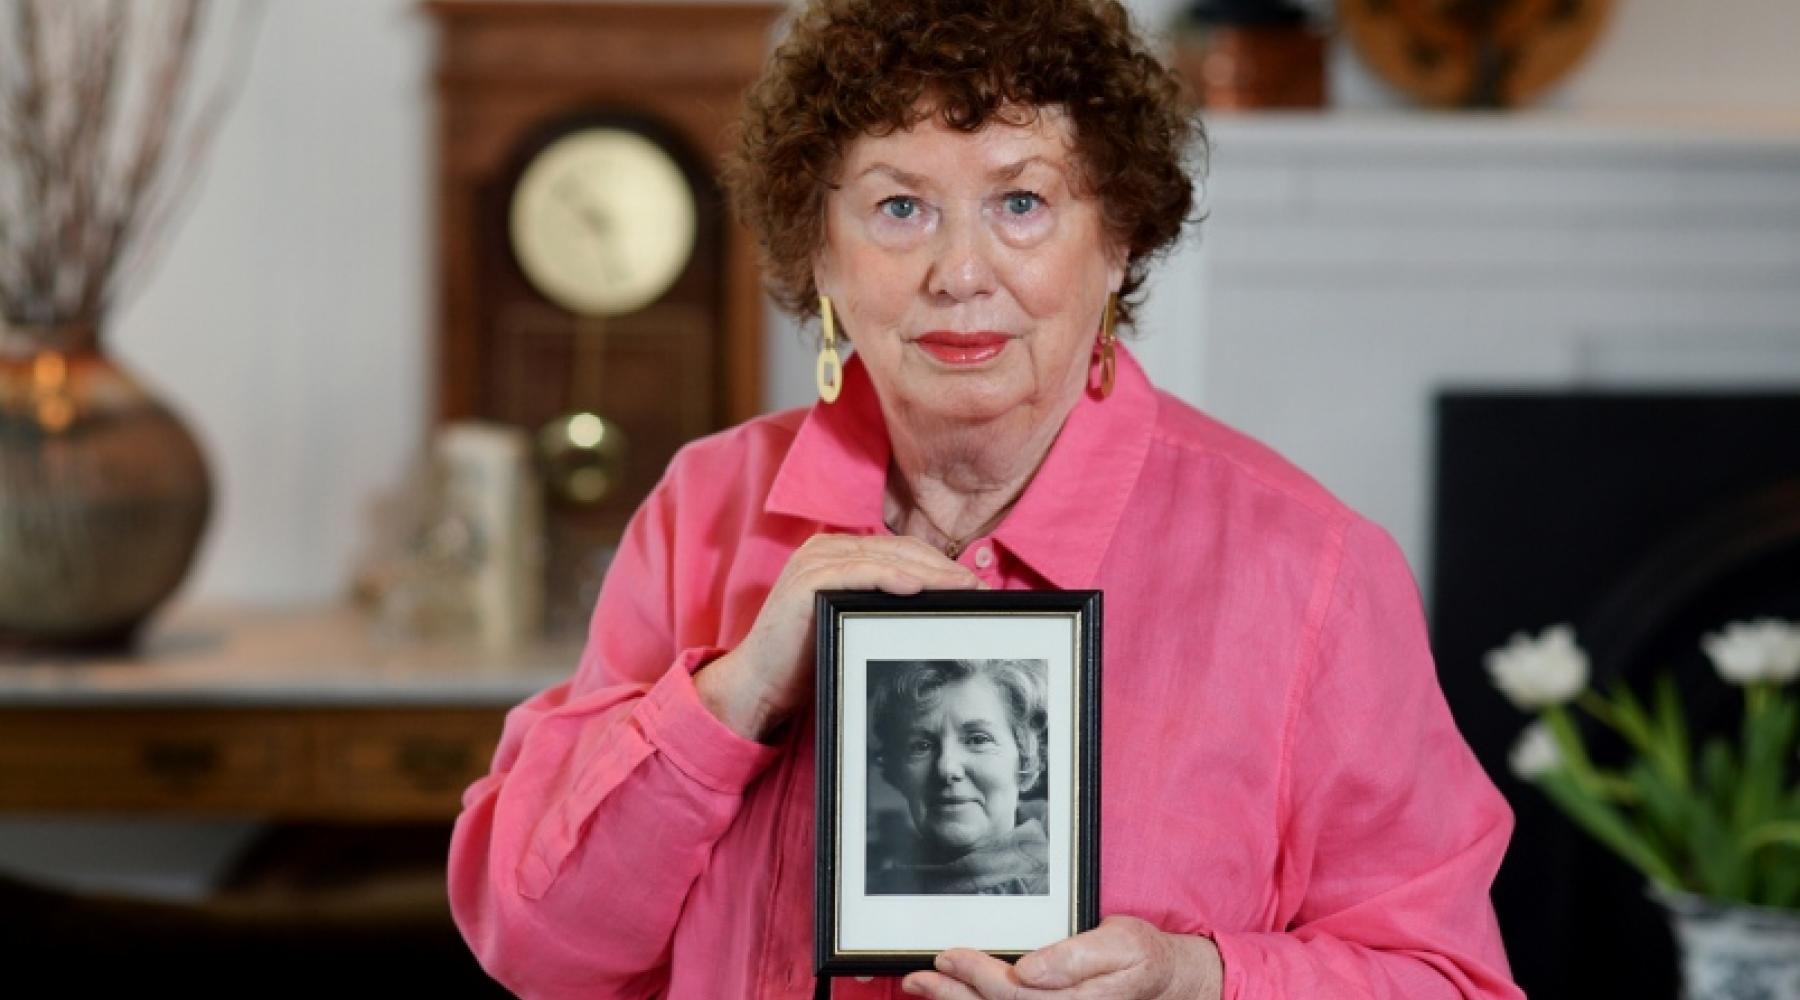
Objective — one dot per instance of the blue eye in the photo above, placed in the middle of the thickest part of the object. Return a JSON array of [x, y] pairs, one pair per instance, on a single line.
[[1022, 202], [900, 207]]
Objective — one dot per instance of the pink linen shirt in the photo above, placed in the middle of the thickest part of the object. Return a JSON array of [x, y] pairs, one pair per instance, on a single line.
[[1280, 771]]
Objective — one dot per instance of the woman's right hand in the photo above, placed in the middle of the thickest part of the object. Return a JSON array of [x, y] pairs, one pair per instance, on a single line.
[[758, 685]]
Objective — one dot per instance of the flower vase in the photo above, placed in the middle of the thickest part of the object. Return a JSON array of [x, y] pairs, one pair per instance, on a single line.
[[1733, 951], [103, 494]]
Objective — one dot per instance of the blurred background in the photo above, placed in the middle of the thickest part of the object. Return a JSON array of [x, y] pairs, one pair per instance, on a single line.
[[313, 446]]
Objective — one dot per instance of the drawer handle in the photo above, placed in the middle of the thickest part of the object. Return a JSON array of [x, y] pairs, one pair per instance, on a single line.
[[435, 764], [181, 764]]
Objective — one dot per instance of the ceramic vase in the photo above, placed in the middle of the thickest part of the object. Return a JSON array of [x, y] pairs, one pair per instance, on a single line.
[[104, 494], [1732, 951]]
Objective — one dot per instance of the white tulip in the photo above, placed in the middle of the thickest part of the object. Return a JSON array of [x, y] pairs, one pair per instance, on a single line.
[[1537, 673], [1767, 649], [1534, 753]]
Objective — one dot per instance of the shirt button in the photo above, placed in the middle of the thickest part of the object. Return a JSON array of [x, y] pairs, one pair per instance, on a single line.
[[984, 557]]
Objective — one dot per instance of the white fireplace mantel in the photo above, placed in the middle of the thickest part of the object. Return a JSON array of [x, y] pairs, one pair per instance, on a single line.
[[1351, 265]]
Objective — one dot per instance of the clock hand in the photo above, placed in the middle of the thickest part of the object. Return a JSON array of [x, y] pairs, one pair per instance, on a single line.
[[591, 216], [596, 220], [599, 222], [602, 226]]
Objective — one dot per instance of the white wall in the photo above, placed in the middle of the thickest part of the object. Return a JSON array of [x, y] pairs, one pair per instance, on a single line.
[[290, 319], [1685, 54]]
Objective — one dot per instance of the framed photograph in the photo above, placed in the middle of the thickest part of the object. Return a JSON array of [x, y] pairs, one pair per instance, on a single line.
[[958, 771]]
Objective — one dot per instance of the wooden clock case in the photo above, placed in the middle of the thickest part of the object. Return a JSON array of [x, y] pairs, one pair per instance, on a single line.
[[513, 76]]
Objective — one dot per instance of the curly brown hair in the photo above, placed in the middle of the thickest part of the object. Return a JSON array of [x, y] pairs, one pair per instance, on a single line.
[[854, 67]]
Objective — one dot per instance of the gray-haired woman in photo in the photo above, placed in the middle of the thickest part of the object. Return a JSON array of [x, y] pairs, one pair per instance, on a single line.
[[962, 741]]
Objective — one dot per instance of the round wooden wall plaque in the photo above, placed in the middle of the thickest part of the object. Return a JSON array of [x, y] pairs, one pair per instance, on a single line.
[[1473, 53]]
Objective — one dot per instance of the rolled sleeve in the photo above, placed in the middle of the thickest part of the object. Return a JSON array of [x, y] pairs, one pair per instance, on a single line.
[[696, 741], [668, 720]]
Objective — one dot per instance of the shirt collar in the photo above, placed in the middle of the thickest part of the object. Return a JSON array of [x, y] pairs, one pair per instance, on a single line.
[[836, 472], [1063, 523]]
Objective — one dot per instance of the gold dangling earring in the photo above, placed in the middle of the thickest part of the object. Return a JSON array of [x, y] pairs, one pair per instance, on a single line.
[[1106, 346], [828, 356]]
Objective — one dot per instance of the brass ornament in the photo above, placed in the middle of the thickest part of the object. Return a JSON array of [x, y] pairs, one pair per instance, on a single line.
[[584, 458]]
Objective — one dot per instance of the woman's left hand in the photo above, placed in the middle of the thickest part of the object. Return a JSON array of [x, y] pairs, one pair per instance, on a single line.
[[1122, 959]]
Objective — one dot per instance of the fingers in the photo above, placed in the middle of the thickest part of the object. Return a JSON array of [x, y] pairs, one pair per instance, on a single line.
[[963, 974], [867, 572], [937, 986], [871, 574], [1109, 960], [914, 552], [989, 977], [898, 566], [916, 547], [1110, 947], [903, 549]]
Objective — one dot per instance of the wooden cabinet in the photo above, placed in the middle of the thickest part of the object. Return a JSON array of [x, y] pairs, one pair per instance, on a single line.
[[283, 715], [143, 761], [297, 763], [400, 763]]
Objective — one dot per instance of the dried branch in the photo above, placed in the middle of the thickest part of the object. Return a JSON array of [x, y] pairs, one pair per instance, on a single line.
[[97, 152], [176, 184], [31, 148], [96, 92]]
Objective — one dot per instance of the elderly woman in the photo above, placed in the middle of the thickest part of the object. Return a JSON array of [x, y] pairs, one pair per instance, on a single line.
[[960, 740], [969, 193]]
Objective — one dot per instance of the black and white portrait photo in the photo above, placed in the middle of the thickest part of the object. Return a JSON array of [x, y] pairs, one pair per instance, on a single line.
[[958, 777], [957, 799]]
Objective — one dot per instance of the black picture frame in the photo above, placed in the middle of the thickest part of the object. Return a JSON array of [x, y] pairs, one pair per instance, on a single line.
[[876, 915]]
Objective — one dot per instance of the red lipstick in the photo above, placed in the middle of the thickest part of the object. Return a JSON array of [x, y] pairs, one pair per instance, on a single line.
[[954, 348]]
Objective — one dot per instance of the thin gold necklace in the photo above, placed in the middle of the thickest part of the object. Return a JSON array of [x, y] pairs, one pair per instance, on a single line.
[[955, 546]]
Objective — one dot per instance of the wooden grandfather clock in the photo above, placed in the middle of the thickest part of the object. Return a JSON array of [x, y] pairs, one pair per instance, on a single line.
[[592, 286]]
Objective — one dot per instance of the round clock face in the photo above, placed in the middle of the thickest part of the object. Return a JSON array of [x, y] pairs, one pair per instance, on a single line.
[[602, 221]]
